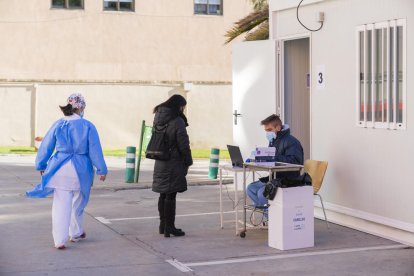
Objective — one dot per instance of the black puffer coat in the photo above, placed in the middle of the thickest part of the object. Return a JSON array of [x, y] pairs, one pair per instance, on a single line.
[[288, 150], [169, 176]]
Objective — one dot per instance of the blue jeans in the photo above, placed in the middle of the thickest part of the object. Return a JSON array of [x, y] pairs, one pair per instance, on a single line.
[[255, 192]]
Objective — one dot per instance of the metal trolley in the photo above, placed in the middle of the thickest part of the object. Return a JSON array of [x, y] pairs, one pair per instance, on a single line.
[[273, 169]]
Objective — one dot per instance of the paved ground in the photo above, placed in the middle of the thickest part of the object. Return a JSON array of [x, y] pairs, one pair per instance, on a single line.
[[121, 224]]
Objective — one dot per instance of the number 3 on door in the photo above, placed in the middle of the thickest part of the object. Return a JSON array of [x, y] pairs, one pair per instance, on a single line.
[[320, 77]]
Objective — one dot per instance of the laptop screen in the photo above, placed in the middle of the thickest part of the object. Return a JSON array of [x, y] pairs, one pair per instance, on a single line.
[[235, 156]]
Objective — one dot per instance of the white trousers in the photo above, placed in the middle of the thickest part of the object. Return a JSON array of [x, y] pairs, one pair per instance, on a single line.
[[65, 221]]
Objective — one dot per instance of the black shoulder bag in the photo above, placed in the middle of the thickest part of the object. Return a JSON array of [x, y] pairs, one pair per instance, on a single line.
[[159, 146], [271, 187]]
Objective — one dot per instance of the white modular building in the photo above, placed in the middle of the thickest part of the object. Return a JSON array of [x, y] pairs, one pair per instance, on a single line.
[[338, 72]]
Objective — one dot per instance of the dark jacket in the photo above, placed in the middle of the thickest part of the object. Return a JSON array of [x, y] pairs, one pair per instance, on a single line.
[[169, 176], [288, 150]]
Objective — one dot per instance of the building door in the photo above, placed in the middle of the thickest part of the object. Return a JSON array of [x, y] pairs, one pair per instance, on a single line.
[[254, 92], [295, 90]]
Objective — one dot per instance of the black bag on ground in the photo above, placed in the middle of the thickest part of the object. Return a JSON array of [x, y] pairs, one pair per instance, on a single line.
[[158, 146], [271, 186]]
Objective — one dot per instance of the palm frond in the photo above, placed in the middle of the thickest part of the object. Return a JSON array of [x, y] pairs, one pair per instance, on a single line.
[[260, 33], [259, 4], [247, 24]]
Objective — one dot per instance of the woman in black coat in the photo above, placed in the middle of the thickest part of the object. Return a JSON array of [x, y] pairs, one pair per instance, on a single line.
[[169, 176]]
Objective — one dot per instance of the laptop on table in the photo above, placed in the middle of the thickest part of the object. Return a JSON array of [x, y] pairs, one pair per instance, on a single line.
[[235, 156]]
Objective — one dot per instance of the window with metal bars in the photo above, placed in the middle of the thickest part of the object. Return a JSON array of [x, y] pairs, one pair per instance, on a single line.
[[381, 80]]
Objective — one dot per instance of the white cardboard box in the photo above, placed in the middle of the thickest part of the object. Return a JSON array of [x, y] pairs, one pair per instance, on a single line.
[[291, 221]]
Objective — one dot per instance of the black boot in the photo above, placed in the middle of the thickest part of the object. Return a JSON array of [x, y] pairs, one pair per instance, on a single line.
[[169, 212], [161, 211], [161, 201]]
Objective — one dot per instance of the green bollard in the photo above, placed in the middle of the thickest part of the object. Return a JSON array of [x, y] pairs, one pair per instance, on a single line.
[[214, 163], [130, 164]]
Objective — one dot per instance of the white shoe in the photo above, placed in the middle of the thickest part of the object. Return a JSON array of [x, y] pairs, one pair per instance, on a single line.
[[76, 239], [60, 247]]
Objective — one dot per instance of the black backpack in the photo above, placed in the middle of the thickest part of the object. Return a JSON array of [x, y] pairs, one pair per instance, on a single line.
[[159, 146]]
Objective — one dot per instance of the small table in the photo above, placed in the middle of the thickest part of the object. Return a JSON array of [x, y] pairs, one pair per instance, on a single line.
[[235, 171], [269, 167]]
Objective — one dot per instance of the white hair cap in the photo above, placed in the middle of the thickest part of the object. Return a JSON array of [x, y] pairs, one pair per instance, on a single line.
[[77, 101]]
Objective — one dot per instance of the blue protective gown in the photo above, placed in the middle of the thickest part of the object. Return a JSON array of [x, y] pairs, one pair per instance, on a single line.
[[75, 140]]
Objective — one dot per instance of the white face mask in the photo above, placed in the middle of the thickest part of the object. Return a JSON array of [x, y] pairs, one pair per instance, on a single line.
[[270, 135]]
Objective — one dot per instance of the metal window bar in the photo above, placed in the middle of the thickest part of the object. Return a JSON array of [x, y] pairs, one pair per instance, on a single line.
[[373, 75], [388, 75], [395, 75], [399, 78], [359, 77], [382, 75], [365, 76], [404, 74], [388, 78]]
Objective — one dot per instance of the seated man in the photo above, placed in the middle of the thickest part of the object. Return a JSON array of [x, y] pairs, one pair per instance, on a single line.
[[288, 150]]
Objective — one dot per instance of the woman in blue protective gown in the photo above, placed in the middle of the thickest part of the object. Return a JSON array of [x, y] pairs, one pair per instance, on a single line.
[[66, 160]]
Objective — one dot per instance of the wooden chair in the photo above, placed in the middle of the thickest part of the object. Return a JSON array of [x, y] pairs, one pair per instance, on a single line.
[[316, 169]]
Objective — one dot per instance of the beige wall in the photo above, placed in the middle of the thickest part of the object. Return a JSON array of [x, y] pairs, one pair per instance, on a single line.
[[162, 41], [123, 62], [15, 122], [116, 110]]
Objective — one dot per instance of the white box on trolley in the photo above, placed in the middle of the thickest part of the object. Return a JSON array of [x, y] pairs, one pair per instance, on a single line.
[[291, 221]]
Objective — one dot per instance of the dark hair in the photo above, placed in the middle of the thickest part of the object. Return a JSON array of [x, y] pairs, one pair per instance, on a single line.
[[274, 119], [67, 109], [175, 102]]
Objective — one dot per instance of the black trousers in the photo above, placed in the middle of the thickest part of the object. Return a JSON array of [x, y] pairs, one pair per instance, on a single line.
[[170, 196]]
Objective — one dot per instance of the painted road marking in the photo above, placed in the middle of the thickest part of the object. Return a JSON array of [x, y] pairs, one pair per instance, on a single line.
[[180, 266], [295, 255], [103, 220], [108, 221]]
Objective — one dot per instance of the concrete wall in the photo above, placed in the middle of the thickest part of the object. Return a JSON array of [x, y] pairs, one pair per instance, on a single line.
[[116, 110], [369, 172], [16, 121]]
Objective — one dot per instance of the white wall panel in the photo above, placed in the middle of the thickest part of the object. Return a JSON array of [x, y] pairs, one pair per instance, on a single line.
[[369, 169]]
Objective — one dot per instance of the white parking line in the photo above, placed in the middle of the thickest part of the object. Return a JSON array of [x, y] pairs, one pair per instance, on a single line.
[[108, 221], [295, 255], [103, 220], [180, 266]]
